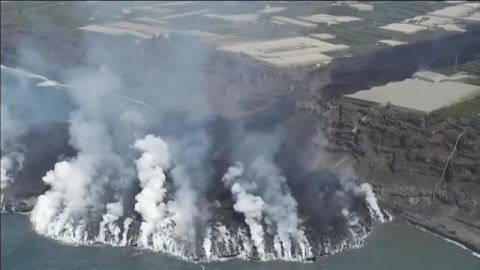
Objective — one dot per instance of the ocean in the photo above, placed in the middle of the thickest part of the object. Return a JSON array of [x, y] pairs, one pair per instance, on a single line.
[[392, 246], [35, 99]]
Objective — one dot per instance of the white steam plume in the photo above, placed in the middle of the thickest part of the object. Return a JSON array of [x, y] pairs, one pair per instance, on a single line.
[[114, 212], [249, 205], [184, 207], [151, 168], [126, 226], [281, 207], [80, 188], [6, 166], [357, 231], [190, 177], [223, 236], [371, 202], [364, 189], [64, 206], [5, 177], [207, 243], [11, 159]]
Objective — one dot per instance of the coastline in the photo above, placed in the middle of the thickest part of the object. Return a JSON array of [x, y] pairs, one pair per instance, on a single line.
[[439, 230], [382, 252]]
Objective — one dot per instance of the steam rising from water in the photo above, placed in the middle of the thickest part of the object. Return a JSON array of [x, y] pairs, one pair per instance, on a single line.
[[150, 201], [90, 195], [372, 202], [5, 176], [11, 157], [250, 205], [140, 178]]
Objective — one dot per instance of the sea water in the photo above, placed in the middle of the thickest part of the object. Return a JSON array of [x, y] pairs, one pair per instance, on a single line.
[[34, 99], [392, 246]]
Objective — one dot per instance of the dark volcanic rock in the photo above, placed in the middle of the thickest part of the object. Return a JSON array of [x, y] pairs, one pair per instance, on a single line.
[[325, 227], [403, 156], [42, 146]]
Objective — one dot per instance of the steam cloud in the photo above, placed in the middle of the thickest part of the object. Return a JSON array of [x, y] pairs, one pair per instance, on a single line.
[[251, 206], [146, 171], [150, 201], [280, 208], [78, 192], [11, 157]]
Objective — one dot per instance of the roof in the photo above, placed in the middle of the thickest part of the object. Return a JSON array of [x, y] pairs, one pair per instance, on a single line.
[[413, 95], [429, 76], [404, 27], [392, 42], [108, 30], [295, 51]]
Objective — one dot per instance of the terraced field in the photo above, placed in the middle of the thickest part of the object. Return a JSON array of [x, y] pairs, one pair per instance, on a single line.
[[469, 109], [361, 35]]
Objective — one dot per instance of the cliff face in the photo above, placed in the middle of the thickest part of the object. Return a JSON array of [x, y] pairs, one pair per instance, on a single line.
[[403, 156], [42, 146]]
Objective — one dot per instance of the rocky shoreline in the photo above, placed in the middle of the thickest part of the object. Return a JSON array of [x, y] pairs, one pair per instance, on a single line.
[[403, 156], [458, 235], [325, 239]]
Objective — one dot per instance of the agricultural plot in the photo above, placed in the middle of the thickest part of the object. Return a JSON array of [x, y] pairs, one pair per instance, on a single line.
[[359, 28], [469, 109]]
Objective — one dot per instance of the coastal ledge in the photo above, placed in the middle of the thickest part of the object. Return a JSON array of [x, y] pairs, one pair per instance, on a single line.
[[453, 231], [402, 156]]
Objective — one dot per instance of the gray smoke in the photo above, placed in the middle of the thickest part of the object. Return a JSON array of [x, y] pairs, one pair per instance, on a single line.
[[142, 131], [82, 188], [11, 156], [9, 163], [191, 176], [249, 205], [10, 128], [256, 152], [363, 190], [120, 98], [151, 168]]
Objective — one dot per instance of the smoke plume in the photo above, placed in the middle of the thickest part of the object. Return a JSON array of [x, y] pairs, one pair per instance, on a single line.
[[250, 205], [156, 166], [11, 155]]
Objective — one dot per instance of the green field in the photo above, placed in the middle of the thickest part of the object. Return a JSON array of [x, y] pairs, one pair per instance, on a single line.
[[469, 109], [471, 66], [64, 16], [61, 14], [361, 36], [446, 70]]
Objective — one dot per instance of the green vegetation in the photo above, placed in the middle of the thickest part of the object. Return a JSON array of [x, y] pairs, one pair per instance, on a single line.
[[469, 109], [361, 36], [64, 16], [473, 66], [61, 15], [446, 70]]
